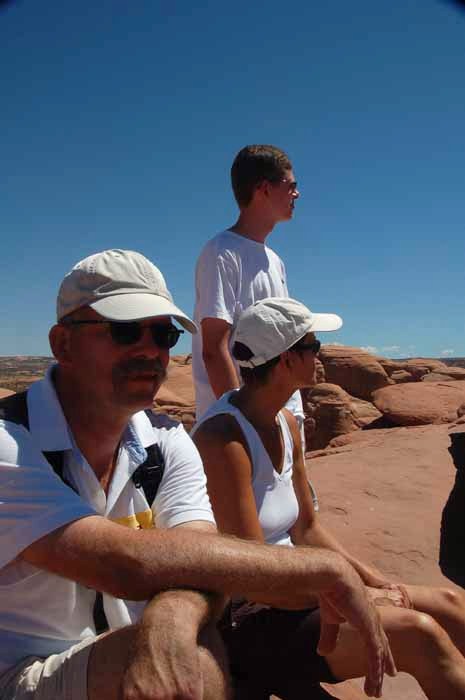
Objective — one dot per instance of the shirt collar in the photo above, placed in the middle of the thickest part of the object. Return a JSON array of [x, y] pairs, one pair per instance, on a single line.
[[47, 422]]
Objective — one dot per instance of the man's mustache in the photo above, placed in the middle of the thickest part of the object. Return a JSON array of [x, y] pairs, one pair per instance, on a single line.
[[139, 365]]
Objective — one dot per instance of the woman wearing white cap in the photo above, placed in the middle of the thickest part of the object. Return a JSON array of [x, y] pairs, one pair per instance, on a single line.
[[251, 449]]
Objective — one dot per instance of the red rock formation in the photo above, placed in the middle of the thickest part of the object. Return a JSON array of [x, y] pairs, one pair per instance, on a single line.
[[5, 392], [421, 403], [355, 370], [331, 411]]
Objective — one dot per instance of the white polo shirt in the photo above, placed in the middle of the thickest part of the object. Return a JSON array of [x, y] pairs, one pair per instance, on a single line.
[[41, 613]]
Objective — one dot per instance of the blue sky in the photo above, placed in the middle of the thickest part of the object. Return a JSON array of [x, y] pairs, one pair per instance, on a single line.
[[119, 122]]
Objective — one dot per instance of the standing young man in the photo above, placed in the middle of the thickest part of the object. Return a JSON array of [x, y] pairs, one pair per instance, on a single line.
[[236, 268]]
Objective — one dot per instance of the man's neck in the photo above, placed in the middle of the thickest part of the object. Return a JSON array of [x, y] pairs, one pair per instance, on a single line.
[[97, 431], [252, 225]]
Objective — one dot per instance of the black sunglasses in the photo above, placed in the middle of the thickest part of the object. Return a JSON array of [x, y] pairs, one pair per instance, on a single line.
[[130, 332], [314, 347]]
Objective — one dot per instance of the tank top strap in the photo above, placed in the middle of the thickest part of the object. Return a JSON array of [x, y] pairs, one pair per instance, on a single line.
[[288, 441]]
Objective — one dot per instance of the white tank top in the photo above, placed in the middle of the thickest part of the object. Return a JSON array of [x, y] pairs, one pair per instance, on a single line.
[[275, 498]]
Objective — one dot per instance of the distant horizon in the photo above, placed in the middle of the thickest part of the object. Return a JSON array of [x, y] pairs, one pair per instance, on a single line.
[[183, 354]]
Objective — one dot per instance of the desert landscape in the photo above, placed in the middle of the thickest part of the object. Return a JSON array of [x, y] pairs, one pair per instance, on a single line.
[[377, 433]]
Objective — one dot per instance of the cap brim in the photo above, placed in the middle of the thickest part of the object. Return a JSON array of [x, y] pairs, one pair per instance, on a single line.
[[325, 322], [139, 306]]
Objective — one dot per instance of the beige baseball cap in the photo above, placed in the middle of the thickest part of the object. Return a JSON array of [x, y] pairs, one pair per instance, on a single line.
[[121, 285], [271, 326]]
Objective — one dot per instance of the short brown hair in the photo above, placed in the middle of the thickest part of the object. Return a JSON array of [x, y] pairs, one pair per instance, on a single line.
[[252, 165], [253, 375]]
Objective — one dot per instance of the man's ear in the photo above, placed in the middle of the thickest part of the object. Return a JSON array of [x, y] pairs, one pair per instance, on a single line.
[[262, 189], [60, 341]]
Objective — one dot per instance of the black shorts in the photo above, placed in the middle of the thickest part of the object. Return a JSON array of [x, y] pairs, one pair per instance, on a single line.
[[273, 652]]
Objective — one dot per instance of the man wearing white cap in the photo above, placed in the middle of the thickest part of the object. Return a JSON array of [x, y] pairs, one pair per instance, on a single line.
[[103, 508]]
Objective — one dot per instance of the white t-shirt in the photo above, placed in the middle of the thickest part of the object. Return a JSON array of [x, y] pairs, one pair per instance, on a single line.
[[232, 273], [41, 613], [275, 499]]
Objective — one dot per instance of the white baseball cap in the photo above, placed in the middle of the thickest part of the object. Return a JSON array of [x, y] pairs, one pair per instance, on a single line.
[[120, 285], [271, 326]]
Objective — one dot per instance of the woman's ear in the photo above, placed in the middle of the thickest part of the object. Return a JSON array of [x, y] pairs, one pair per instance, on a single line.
[[60, 341]]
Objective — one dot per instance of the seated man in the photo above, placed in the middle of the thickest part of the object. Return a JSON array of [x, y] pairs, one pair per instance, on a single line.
[[80, 463]]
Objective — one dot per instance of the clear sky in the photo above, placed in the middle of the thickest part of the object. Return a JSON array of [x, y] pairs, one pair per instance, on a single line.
[[119, 122]]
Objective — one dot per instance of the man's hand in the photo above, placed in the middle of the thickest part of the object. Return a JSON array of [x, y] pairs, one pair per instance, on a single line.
[[348, 601], [165, 663]]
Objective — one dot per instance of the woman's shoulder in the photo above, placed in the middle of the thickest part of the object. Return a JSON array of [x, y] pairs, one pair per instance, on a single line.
[[219, 427]]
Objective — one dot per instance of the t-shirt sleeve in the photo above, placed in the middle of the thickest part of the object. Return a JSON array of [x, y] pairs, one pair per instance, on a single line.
[[182, 495], [216, 283], [33, 500]]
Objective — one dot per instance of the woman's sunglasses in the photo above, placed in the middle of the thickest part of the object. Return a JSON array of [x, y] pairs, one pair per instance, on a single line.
[[130, 332]]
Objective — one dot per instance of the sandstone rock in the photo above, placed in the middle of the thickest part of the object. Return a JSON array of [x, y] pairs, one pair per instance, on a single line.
[[416, 367], [426, 362], [436, 377], [176, 396], [181, 360], [166, 397], [382, 493], [389, 365], [330, 411], [457, 373], [5, 392], [401, 376], [419, 403], [355, 370]]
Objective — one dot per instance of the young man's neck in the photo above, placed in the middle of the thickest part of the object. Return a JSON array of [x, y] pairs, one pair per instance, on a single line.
[[253, 225]]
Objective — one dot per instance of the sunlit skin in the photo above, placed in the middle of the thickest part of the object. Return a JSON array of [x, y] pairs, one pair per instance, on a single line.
[[284, 197], [112, 375], [272, 202], [307, 357], [101, 384]]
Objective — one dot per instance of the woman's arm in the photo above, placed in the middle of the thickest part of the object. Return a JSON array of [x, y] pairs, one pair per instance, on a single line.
[[228, 467]]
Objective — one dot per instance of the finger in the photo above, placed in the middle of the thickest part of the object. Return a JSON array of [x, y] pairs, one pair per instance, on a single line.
[[390, 664], [329, 634], [374, 675], [329, 612]]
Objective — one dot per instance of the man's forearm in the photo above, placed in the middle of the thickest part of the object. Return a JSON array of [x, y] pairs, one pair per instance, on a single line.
[[221, 371], [193, 609], [318, 536], [138, 565]]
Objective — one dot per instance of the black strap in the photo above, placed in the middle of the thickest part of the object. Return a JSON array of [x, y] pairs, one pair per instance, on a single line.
[[14, 409], [147, 476]]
